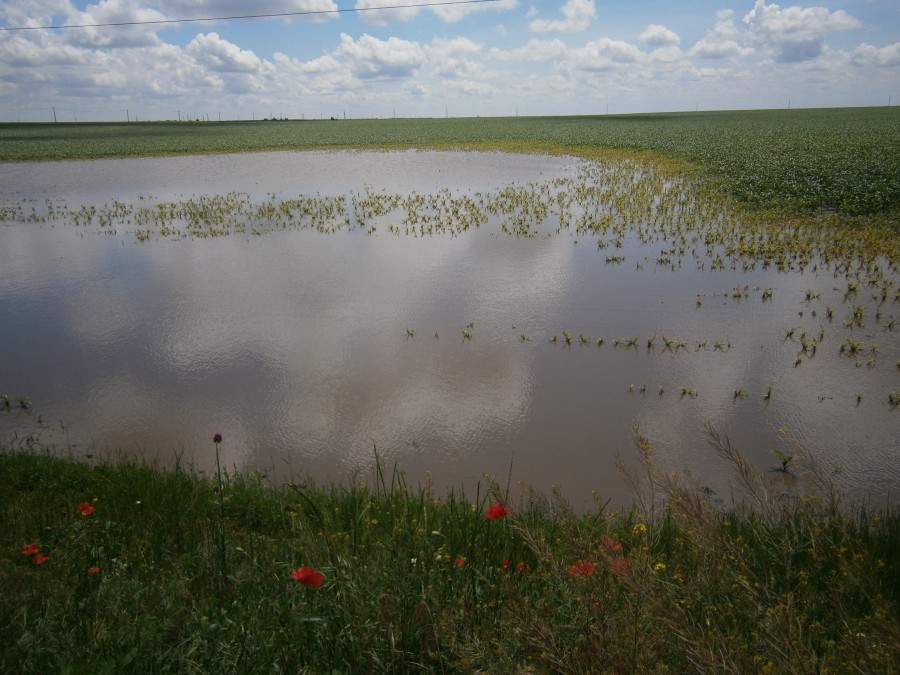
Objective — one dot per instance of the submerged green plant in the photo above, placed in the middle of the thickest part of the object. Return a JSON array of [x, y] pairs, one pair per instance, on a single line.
[[784, 458]]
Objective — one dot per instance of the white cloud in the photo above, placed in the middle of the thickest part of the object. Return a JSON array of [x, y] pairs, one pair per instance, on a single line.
[[578, 16], [325, 76], [38, 50], [470, 88], [220, 55], [659, 36], [106, 11], [720, 42], [669, 54], [533, 51], [35, 12], [867, 55], [200, 9], [386, 12], [454, 13], [371, 58], [483, 65], [454, 58], [604, 54], [795, 33], [371, 14]]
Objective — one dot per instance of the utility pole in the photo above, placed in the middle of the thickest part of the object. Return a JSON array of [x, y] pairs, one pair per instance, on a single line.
[[179, 115], [127, 116], [54, 114]]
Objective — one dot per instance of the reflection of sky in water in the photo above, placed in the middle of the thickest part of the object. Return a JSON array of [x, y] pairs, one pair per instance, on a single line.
[[294, 346]]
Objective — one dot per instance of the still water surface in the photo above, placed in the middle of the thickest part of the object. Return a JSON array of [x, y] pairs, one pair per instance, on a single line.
[[308, 350]]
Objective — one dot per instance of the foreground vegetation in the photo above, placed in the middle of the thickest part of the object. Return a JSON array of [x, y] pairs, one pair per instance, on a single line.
[[841, 160], [128, 568]]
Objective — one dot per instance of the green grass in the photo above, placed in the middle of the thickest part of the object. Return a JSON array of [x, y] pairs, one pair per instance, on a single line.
[[842, 160], [194, 579]]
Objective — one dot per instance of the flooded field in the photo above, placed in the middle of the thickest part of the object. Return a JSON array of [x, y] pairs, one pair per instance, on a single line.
[[463, 313]]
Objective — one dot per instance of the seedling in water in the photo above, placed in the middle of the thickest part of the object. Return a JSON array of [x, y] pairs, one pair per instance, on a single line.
[[784, 459], [850, 346]]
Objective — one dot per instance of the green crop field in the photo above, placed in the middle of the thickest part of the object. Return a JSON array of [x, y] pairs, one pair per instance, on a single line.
[[827, 160]]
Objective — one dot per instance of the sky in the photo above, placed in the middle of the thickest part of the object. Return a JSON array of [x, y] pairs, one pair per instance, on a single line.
[[380, 59]]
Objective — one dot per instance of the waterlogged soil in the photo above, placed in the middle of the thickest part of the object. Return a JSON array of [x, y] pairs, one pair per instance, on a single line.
[[462, 313]]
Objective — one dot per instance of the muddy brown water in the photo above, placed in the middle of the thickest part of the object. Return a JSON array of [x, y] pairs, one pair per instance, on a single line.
[[308, 351]]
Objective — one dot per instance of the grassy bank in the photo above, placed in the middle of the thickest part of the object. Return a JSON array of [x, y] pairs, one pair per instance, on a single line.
[[842, 160], [130, 569]]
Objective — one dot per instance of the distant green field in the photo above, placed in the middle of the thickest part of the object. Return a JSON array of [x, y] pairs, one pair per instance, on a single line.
[[843, 160]]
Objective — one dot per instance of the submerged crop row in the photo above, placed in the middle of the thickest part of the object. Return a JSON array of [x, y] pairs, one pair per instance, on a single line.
[[612, 202], [814, 161]]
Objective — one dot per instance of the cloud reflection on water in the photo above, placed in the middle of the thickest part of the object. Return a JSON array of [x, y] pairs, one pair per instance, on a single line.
[[294, 345]]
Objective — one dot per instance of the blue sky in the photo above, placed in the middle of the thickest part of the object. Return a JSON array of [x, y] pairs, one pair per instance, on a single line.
[[505, 57]]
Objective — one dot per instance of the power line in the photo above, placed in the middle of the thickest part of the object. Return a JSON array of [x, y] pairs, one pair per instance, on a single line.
[[250, 16]]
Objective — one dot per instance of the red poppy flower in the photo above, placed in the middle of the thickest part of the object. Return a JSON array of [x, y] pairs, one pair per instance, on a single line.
[[505, 564], [620, 565], [308, 576], [85, 509], [459, 562], [496, 511], [93, 570], [40, 559], [581, 568], [611, 544], [523, 567], [31, 549]]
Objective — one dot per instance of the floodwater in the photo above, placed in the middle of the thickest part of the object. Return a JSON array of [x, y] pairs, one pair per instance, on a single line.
[[308, 349]]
